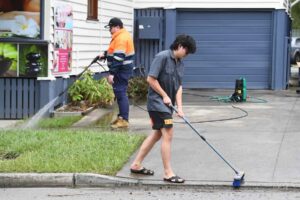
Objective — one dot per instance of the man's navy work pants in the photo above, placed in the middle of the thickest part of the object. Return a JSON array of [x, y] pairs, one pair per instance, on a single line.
[[120, 86]]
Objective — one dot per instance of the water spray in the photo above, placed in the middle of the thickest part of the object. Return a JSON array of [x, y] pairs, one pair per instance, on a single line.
[[34, 120]]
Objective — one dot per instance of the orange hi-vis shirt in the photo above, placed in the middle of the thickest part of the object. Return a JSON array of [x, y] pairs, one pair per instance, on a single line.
[[120, 53]]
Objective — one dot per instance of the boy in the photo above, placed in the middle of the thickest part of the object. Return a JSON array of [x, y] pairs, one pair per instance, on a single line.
[[165, 89]]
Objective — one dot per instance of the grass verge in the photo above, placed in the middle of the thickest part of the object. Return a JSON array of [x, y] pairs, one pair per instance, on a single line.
[[58, 122], [59, 150]]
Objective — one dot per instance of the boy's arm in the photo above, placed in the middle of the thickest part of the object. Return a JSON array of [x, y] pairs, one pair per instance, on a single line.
[[154, 84], [179, 102]]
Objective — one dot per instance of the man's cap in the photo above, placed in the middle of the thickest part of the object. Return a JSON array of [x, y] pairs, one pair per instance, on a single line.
[[114, 22]]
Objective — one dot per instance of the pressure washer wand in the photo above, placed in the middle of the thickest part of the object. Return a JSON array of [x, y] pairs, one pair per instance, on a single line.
[[95, 60], [203, 138]]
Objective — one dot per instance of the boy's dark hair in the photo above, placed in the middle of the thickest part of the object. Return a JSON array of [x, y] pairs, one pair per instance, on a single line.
[[185, 41]]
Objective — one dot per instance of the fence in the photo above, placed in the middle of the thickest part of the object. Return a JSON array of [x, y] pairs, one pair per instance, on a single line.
[[19, 98], [23, 97]]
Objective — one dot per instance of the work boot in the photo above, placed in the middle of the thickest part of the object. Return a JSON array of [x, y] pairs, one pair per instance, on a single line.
[[121, 123], [116, 120]]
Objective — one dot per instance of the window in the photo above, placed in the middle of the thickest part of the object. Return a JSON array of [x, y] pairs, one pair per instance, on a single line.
[[92, 10], [27, 23]]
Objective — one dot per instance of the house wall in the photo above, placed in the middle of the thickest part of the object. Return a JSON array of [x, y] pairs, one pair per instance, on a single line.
[[90, 38], [277, 4]]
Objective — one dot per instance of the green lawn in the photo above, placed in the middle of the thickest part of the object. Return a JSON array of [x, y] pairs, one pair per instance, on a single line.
[[66, 150], [58, 122]]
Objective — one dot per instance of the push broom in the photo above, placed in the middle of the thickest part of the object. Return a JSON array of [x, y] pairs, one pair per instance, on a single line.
[[239, 175]]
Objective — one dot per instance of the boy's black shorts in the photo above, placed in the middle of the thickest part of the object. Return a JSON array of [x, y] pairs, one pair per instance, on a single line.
[[161, 120]]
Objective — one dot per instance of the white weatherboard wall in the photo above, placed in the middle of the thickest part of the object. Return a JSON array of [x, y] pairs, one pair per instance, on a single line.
[[90, 38], [276, 4]]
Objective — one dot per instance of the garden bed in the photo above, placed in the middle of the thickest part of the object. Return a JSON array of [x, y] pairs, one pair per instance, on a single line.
[[71, 110]]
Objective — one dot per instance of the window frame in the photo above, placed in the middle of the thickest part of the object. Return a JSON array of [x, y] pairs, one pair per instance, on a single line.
[[92, 10]]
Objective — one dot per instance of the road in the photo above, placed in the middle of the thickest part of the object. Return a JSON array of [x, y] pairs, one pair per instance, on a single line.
[[146, 194]]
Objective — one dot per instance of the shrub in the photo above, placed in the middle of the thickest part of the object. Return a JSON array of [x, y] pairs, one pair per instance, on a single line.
[[137, 88], [92, 92]]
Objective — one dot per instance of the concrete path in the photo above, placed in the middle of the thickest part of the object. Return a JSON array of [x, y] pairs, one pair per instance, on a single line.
[[4, 124], [264, 144]]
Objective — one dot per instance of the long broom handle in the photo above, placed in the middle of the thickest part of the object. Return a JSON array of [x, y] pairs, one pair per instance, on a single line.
[[204, 139]]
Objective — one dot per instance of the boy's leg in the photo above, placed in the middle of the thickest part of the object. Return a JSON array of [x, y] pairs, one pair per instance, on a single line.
[[145, 148], [167, 135]]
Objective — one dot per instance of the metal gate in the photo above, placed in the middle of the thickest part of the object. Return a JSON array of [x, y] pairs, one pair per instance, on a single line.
[[146, 48]]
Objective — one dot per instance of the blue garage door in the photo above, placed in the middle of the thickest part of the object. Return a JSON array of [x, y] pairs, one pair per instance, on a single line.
[[230, 45]]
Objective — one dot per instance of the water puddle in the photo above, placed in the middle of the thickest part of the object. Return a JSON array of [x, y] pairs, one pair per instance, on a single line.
[[104, 122]]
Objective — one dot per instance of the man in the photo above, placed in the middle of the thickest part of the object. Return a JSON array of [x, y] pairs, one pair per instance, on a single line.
[[120, 55], [165, 89]]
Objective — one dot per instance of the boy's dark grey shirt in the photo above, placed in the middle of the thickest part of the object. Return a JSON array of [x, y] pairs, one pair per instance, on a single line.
[[169, 75]]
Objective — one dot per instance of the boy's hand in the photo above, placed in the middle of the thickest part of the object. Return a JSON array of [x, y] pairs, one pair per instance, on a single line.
[[167, 100], [180, 112]]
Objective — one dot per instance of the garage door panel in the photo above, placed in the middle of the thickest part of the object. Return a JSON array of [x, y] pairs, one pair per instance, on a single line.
[[230, 45], [236, 51], [210, 65], [226, 23], [211, 15], [236, 58], [224, 78], [233, 37], [224, 30], [227, 71]]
